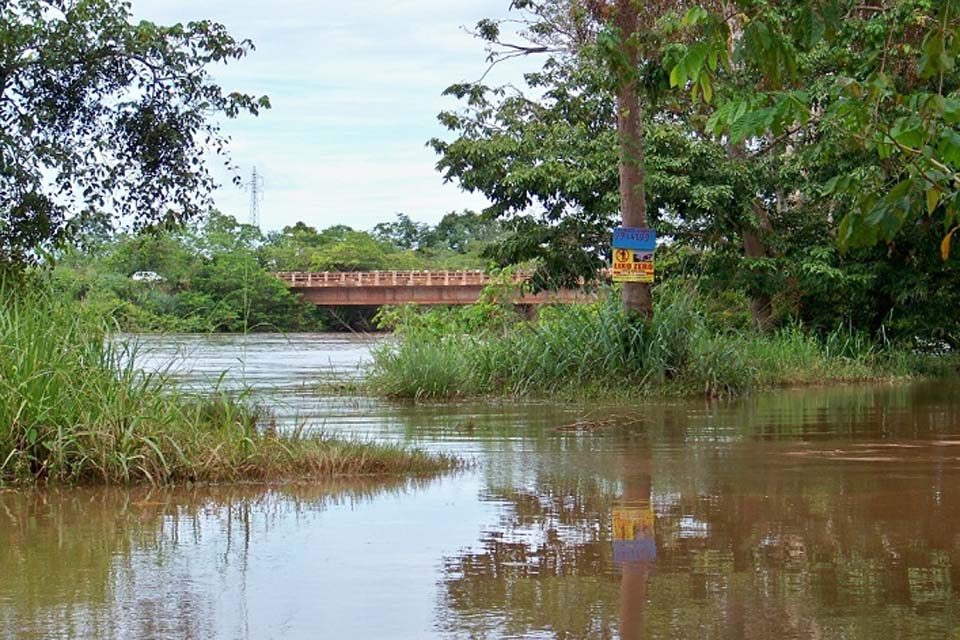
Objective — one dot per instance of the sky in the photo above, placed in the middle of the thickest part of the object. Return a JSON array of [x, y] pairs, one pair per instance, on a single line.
[[355, 88]]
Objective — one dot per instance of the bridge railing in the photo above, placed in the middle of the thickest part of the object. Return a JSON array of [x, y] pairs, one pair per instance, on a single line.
[[388, 278]]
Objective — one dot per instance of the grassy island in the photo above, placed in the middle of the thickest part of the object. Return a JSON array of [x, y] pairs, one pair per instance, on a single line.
[[73, 408], [597, 350]]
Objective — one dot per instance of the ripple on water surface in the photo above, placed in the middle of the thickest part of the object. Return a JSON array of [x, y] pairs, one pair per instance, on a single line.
[[818, 513]]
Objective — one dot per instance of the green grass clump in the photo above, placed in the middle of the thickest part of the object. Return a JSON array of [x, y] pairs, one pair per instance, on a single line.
[[598, 349], [73, 408]]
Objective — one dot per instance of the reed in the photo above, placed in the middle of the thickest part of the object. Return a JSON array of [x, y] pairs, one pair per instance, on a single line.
[[598, 349], [73, 408]]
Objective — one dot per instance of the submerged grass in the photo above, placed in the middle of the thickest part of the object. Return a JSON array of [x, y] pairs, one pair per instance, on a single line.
[[599, 350], [73, 408]]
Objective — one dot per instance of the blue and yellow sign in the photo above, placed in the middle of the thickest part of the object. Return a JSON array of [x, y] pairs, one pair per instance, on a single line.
[[639, 238], [633, 249], [630, 265]]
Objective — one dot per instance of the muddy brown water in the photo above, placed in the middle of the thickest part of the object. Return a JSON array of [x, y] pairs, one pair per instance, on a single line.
[[813, 513]]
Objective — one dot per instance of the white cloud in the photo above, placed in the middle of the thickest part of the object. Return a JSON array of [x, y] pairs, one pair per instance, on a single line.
[[356, 88]]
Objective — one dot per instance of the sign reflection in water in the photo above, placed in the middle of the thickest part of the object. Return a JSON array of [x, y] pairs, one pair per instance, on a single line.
[[815, 513], [634, 544]]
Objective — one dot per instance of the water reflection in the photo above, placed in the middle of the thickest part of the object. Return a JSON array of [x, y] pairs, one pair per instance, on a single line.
[[634, 542], [184, 563], [750, 543], [810, 513]]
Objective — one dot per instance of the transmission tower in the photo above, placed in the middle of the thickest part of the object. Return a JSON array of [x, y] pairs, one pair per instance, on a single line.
[[255, 187]]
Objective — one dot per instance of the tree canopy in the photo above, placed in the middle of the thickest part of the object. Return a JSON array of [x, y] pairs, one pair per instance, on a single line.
[[105, 118], [798, 153], [872, 89]]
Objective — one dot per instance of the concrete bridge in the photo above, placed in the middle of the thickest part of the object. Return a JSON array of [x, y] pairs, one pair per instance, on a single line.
[[375, 288]]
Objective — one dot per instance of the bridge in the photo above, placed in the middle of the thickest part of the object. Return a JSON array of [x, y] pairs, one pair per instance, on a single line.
[[376, 288]]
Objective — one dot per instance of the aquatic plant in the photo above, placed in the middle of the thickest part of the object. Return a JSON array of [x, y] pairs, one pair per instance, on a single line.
[[598, 349], [74, 408]]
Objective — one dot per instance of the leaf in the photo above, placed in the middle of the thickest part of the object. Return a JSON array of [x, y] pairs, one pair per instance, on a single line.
[[716, 123], [934, 60], [677, 75], [951, 111], [933, 199], [949, 146], [945, 244], [830, 186], [707, 88], [877, 215], [739, 129], [694, 16], [762, 33], [810, 28], [937, 103], [908, 131], [837, 185], [845, 232]]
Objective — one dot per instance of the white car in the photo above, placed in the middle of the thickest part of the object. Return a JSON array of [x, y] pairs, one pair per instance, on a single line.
[[147, 276]]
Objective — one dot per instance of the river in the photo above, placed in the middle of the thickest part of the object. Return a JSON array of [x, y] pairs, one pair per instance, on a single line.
[[821, 513]]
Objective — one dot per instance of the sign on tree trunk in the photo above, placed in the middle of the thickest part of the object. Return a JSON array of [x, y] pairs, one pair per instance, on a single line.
[[633, 254]]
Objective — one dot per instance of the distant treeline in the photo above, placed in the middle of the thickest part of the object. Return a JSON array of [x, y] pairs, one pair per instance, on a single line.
[[216, 275]]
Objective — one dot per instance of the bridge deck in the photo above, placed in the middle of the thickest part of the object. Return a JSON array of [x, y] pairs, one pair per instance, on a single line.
[[376, 288], [301, 279]]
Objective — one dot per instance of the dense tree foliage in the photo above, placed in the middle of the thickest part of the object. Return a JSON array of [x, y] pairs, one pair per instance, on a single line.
[[871, 88], [799, 159], [781, 142], [204, 278], [102, 117], [217, 275]]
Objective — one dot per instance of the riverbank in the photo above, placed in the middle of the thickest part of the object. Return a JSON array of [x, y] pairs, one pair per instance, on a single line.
[[597, 350], [75, 409], [528, 524]]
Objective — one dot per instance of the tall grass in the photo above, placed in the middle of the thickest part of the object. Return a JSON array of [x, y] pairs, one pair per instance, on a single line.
[[73, 408], [598, 349]]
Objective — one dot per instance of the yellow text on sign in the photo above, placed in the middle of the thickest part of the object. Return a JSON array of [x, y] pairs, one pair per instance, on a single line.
[[632, 266], [630, 523]]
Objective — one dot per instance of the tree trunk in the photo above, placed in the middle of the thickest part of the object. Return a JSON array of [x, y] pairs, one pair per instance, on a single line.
[[633, 198], [754, 246]]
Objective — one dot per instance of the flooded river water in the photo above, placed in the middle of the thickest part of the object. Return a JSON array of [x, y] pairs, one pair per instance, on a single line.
[[816, 513]]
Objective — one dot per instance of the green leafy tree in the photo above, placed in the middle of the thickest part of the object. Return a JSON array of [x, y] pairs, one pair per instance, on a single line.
[[101, 115], [547, 166], [735, 165], [211, 280], [402, 233], [560, 154], [356, 251], [463, 232], [619, 35], [872, 88], [291, 248], [853, 105]]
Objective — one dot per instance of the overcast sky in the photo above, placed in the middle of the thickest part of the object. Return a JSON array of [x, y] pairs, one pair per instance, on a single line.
[[355, 88]]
